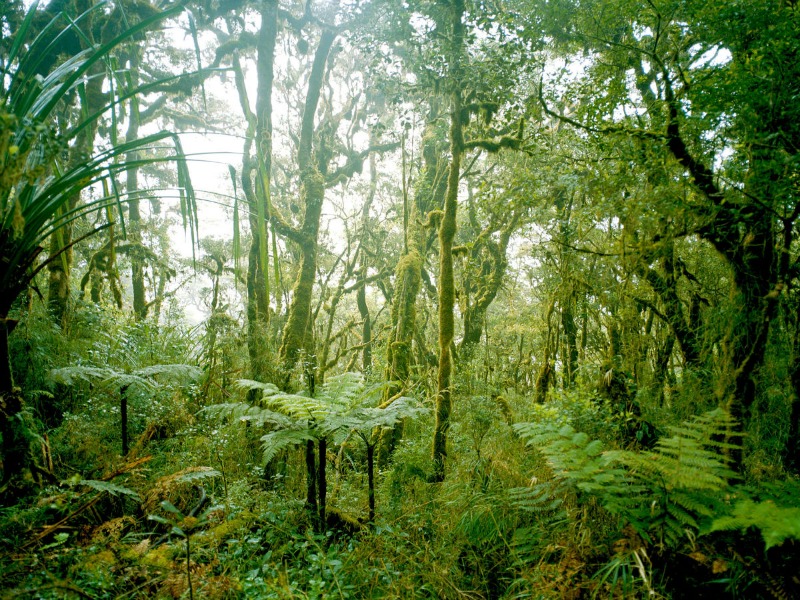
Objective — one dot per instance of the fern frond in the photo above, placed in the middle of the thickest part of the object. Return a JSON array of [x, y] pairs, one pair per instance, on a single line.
[[275, 441], [776, 523], [111, 488], [241, 411], [176, 372], [69, 375], [405, 407], [199, 473], [341, 390], [536, 499], [268, 389], [129, 380]]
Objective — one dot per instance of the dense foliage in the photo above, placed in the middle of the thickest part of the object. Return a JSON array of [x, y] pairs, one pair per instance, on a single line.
[[475, 299]]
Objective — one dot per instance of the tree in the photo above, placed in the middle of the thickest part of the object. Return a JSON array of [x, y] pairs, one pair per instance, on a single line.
[[342, 404], [711, 88], [33, 190]]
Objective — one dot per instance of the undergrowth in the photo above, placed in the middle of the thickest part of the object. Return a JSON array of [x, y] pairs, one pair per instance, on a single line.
[[541, 501]]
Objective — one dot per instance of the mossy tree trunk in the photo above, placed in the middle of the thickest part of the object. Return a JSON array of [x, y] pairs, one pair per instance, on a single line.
[[59, 271], [296, 331], [132, 188], [16, 459], [489, 263], [566, 300], [429, 194], [361, 293], [447, 232], [256, 176]]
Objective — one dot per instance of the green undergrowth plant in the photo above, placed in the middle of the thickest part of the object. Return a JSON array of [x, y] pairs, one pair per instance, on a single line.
[[665, 494], [137, 386], [773, 509], [667, 497], [341, 407]]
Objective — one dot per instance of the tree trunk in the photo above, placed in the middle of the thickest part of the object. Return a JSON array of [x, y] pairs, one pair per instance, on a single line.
[[256, 176], [16, 459], [371, 480], [311, 480], [123, 417], [488, 284], [447, 232], [295, 333], [58, 290], [134, 213], [408, 273], [322, 485]]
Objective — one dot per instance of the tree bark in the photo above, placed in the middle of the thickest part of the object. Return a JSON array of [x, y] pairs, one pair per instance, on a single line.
[[134, 212], [295, 333], [447, 232], [256, 176], [59, 271]]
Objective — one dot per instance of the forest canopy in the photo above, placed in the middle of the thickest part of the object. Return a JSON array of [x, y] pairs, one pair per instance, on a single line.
[[374, 299]]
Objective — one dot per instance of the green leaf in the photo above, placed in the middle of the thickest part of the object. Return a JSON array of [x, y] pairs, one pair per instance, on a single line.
[[178, 531], [776, 523], [158, 519], [170, 507], [201, 473], [111, 488]]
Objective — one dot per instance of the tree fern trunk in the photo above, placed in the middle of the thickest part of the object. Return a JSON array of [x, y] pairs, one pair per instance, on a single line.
[[311, 480], [371, 480], [322, 481]]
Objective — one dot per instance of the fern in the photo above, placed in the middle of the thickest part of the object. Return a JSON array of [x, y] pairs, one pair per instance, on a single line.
[[199, 473], [175, 372], [243, 412], [668, 492], [578, 463], [776, 523], [249, 384], [69, 376], [684, 477], [111, 488], [367, 418], [340, 406], [144, 377], [275, 441]]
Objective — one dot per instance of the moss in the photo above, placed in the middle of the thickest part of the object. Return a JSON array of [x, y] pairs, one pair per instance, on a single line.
[[160, 558]]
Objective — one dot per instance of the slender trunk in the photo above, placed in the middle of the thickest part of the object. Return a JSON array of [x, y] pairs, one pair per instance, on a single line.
[[399, 351], [447, 232], [295, 333], [570, 328], [58, 291], [134, 213], [256, 175], [371, 480], [311, 480], [366, 328], [322, 482], [661, 370], [123, 416], [16, 459], [487, 287], [361, 294]]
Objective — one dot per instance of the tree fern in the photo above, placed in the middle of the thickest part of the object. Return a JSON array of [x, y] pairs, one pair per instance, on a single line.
[[243, 412], [275, 441], [342, 405]]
